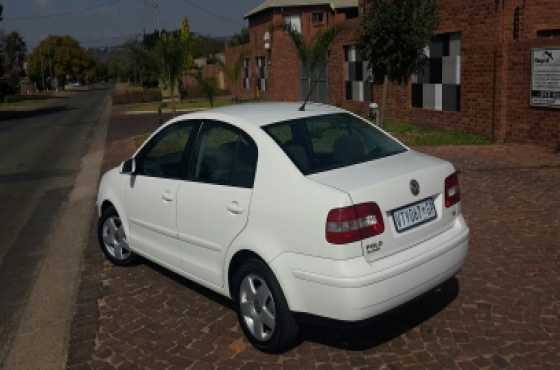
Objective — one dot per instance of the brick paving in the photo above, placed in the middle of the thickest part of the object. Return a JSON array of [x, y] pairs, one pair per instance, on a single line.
[[502, 312]]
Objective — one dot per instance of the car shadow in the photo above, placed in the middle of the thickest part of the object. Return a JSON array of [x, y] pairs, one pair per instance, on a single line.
[[199, 289], [359, 336], [383, 328]]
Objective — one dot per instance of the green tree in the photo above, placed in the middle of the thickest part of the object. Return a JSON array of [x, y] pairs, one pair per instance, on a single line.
[[12, 58], [240, 38], [208, 86], [393, 38], [187, 40], [171, 58], [58, 58], [172, 52], [313, 56], [142, 64], [118, 66]]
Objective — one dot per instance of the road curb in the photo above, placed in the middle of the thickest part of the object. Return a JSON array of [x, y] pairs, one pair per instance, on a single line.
[[43, 335]]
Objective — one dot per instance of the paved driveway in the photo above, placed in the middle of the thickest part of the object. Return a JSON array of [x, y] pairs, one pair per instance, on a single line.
[[502, 312]]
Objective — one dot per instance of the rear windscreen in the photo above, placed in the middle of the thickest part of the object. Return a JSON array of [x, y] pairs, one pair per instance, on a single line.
[[326, 142]]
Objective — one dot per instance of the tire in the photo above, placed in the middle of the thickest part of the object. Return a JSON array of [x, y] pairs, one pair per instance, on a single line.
[[112, 239], [262, 309]]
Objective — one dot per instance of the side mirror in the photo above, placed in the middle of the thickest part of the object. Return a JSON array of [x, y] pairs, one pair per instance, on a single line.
[[129, 167]]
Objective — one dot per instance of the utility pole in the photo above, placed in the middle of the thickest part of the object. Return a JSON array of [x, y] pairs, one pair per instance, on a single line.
[[154, 4]]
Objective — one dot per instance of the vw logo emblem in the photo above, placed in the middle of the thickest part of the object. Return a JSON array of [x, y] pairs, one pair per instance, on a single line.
[[414, 187]]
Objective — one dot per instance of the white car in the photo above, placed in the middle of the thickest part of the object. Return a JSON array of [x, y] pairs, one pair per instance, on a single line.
[[286, 211]]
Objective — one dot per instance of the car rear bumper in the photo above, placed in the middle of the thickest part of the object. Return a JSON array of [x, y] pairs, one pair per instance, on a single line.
[[354, 290]]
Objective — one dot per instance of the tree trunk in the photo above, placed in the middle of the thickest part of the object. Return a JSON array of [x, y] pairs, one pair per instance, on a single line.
[[383, 101], [172, 92]]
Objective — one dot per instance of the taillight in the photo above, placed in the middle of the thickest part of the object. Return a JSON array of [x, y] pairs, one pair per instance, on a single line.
[[452, 190], [351, 224]]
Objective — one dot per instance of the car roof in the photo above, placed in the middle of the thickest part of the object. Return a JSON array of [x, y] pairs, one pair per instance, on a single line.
[[262, 114]]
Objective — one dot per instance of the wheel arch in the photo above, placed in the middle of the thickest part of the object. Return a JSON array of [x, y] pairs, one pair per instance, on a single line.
[[109, 200], [235, 262]]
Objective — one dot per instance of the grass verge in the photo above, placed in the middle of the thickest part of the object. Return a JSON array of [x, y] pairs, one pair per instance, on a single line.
[[409, 134], [413, 135]]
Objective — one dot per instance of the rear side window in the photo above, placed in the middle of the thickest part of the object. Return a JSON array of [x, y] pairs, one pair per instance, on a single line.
[[331, 141], [225, 156]]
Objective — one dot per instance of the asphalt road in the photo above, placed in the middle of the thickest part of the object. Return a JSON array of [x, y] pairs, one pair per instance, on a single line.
[[39, 160]]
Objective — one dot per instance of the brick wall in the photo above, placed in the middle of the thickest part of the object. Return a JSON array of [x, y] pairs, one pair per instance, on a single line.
[[283, 83], [495, 72], [495, 68], [232, 55]]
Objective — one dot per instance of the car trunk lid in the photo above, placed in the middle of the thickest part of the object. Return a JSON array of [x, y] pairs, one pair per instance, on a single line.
[[387, 182]]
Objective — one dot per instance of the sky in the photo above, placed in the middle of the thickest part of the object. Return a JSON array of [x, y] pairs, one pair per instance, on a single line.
[[99, 23]]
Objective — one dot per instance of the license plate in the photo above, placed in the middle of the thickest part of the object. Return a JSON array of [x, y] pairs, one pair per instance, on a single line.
[[414, 215]]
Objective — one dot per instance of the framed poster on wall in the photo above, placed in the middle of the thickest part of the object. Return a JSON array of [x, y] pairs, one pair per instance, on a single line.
[[545, 77]]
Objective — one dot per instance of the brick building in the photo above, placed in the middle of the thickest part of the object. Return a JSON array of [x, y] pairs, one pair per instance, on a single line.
[[478, 78], [210, 69]]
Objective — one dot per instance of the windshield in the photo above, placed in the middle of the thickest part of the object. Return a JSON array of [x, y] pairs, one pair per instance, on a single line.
[[322, 143]]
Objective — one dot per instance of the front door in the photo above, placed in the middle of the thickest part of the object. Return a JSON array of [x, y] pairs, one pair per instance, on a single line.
[[151, 194], [213, 206]]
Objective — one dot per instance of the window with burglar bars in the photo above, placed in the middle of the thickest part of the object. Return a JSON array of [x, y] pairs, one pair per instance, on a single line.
[[437, 85], [262, 73], [357, 76], [246, 74]]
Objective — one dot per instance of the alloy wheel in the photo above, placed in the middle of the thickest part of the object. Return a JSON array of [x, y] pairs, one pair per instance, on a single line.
[[114, 238], [257, 307]]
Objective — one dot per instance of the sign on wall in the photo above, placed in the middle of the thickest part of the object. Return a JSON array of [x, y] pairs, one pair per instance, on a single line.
[[545, 80]]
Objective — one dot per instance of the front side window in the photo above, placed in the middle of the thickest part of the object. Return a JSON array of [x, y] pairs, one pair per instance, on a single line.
[[225, 156], [331, 141], [164, 155]]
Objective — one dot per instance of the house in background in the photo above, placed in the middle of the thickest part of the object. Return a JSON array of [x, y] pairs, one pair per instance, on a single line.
[[481, 75], [271, 68], [210, 69]]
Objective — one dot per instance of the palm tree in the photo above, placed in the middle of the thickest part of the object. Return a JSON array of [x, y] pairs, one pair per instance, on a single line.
[[209, 86], [232, 71], [171, 52], [313, 56]]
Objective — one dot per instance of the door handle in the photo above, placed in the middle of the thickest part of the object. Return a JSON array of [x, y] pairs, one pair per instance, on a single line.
[[235, 208], [167, 196]]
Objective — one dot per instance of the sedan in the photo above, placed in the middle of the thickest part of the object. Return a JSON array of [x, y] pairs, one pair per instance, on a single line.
[[288, 213]]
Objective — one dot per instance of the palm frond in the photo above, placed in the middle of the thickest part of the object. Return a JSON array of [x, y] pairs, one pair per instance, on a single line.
[[321, 44], [232, 71], [301, 47]]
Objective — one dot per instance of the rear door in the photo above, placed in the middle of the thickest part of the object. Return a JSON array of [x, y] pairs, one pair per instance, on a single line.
[[151, 194], [213, 206]]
